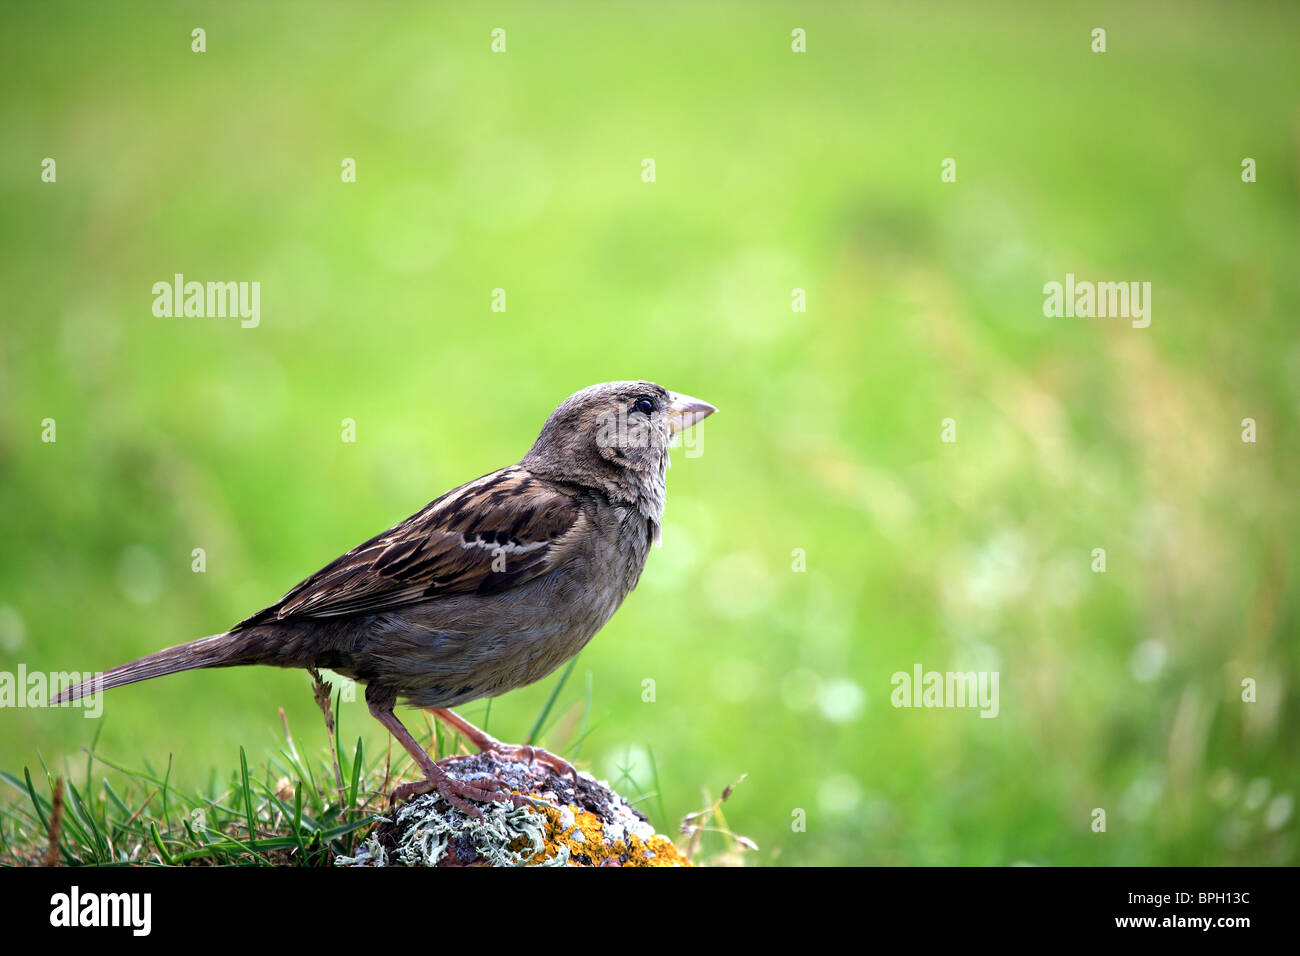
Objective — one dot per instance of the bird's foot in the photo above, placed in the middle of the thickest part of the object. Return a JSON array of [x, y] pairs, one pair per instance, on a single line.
[[486, 743], [530, 754], [459, 792]]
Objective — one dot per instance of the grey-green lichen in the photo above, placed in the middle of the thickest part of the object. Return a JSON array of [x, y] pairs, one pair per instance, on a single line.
[[566, 822], [504, 835]]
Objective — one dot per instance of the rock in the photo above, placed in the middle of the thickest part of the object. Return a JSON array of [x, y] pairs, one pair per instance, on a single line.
[[582, 823]]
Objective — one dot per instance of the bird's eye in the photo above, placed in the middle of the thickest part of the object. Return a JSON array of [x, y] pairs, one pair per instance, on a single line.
[[644, 405]]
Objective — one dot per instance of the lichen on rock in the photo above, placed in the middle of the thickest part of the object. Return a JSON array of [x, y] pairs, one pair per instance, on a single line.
[[568, 823]]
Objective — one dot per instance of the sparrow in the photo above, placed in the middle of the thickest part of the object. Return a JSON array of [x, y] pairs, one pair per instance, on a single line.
[[489, 587]]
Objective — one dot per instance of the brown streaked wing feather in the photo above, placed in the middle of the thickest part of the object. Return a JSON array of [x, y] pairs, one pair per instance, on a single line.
[[446, 548]]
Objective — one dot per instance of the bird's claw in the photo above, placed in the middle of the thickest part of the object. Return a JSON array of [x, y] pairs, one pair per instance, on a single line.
[[458, 792], [531, 754]]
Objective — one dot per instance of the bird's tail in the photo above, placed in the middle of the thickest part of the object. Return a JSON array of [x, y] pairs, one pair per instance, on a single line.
[[219, 650]]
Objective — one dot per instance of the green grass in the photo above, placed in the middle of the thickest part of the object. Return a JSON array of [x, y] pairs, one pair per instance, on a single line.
[[294, 809], [286, 811]]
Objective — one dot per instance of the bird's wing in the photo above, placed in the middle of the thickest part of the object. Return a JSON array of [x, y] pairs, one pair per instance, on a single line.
[[481, 538]]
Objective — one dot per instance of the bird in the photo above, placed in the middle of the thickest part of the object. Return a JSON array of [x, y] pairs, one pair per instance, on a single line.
[[486, 589]]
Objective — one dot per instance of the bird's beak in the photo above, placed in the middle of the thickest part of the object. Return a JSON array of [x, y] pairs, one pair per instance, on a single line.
[[684, 411]]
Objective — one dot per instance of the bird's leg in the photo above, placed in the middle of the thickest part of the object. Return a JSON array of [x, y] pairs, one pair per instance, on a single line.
[[486, 743], [454, 791]]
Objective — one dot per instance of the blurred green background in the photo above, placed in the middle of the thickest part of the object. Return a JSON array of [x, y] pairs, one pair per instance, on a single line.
[[774, 171]]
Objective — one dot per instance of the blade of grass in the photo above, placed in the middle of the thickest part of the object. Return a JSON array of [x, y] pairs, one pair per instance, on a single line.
[[585, 734], [31, 791], [659, 791], [90, 754], [72, 829], [550, 701], [305, 778], [248, 794], [165, 789], [117, 801], [145, 777], [157, 841], [575, 749], [297, 822], [300, 820], [216, 849], [83, 814], [356, 777], [338, 737], [338, 831]]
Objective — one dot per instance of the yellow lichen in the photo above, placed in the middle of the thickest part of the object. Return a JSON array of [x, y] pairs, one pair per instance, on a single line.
[[585, 841], [656, 851]]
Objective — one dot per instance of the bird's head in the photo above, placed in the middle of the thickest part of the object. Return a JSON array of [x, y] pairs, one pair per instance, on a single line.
[[615, 436]]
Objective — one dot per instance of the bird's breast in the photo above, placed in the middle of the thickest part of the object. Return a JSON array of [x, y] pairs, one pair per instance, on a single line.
[[447, 652]]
